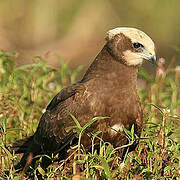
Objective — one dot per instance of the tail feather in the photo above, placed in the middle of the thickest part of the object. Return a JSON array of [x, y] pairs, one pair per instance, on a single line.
[[25, 161], [22, 145], [29, 148]]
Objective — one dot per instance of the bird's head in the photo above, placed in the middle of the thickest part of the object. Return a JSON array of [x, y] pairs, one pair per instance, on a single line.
[[131, 46]]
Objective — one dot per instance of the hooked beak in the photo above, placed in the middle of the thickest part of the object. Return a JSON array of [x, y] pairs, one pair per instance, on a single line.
[[151, 56], [153, 60]]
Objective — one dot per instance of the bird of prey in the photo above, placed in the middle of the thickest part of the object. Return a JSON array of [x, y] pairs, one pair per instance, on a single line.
[[108, 89]]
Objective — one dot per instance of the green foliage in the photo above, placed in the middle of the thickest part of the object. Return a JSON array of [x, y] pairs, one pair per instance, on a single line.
[[24, 93]]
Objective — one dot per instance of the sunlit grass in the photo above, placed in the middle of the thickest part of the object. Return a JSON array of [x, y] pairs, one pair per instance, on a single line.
[[25, 91]]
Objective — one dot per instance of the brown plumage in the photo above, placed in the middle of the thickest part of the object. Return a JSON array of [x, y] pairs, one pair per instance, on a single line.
[[107, 89]]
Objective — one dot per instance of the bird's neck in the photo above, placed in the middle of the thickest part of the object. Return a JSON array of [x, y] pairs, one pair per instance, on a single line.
[[105, 67]]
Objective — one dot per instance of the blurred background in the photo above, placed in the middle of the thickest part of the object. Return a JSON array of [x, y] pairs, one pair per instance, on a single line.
[[74, 30]]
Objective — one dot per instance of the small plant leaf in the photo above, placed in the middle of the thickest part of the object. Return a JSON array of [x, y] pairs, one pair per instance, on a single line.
[[107, 170], [91, 122], [76, 121]]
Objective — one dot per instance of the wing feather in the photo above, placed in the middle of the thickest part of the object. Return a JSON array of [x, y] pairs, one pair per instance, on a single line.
[[51, 132]]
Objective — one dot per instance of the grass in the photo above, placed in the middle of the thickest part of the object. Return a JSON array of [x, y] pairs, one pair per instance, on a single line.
[[26, 90]]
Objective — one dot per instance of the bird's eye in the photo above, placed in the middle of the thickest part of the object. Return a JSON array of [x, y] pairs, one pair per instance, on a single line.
[[137, 45]]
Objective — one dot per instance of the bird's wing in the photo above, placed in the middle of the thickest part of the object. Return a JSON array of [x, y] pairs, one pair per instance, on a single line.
[[63, 95], [52, 131]]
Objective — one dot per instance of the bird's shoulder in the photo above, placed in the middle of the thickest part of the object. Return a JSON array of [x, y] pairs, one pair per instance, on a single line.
[[66, 93]]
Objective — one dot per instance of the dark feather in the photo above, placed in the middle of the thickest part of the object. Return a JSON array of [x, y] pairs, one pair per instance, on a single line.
[[21, 145]]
